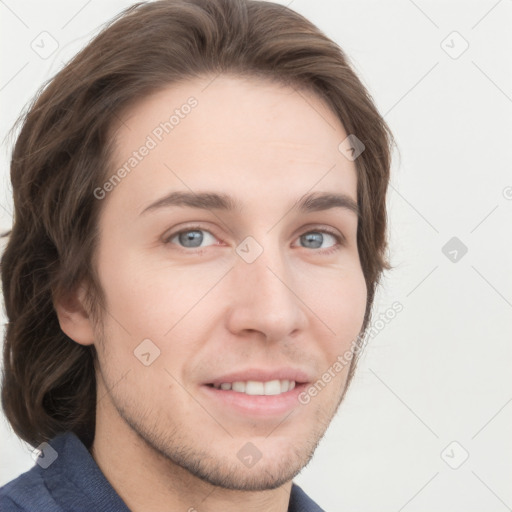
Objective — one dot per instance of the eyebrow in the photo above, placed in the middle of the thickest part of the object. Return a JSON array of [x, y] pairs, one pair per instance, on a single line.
[[308, 203]]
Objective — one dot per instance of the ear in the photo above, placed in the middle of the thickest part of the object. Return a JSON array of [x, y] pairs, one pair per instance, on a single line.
[[74, 318]]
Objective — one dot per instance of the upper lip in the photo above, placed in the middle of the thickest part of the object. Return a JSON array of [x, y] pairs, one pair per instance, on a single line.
[[263, 375]]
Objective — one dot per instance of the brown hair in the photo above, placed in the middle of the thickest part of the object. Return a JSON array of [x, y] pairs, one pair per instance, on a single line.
[[63, 152]]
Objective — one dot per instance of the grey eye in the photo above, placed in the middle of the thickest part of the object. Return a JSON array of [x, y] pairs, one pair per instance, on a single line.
[[314, 239], [191, 238]]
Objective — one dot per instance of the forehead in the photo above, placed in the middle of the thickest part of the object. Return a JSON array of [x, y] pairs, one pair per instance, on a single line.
[[242, 136]]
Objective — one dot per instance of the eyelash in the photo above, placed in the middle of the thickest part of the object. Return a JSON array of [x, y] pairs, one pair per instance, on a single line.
[[340, 240]]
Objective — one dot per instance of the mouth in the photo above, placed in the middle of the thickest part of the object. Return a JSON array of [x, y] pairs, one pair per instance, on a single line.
[[255, 399], [257, 388]]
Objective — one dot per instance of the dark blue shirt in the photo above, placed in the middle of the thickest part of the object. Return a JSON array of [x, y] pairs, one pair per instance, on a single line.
[[67, 479]]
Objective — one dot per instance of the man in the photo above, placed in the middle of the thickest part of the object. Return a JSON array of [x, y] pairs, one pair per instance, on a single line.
[[199, 232]]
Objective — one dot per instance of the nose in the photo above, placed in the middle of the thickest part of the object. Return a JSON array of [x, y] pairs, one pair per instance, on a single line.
[[264, 298]]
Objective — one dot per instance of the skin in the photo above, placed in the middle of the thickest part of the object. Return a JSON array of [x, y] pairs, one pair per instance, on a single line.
[[161, 443]]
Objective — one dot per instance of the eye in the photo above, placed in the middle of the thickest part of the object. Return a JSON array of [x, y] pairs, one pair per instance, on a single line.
[[315, 239], [190, 238]]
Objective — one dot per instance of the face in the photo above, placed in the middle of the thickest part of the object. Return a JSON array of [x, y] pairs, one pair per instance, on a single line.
[[226, 302]]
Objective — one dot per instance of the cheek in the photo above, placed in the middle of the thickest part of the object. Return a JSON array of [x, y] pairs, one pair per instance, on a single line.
[[156, 300], [340, 293], [340, 305], [353, 298], [136, 290]]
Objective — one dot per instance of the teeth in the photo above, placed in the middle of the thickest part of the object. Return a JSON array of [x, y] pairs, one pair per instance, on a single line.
[[252, 387], [273, 387], [238, 386]]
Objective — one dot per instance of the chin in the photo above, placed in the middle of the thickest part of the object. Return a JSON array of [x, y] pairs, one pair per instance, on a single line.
[[260, 477], [273, 468]]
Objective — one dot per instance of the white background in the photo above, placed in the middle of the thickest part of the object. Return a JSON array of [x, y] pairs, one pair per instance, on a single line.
[[440, 371]]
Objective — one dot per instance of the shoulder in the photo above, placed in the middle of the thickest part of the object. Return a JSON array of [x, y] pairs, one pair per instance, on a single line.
[[27, 492], [301, 502], [65, 478], [34, 490], [7, 505]]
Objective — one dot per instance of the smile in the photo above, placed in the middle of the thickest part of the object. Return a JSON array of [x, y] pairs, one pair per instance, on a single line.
[[253, 387]]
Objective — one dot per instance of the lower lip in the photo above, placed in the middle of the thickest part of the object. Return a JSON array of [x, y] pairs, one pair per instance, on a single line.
[[256, 405]]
